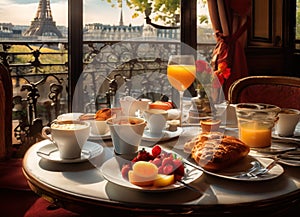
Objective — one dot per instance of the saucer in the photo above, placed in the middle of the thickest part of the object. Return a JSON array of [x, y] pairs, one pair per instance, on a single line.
[[51, 153], [98, 136], [166, 135]]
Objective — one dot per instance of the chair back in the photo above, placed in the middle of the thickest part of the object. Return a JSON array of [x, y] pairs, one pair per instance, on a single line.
[[283, 91], [5, 112]]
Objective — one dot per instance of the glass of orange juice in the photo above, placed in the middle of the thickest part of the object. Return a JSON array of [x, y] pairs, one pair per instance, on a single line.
[[255, 123], [181, 74]]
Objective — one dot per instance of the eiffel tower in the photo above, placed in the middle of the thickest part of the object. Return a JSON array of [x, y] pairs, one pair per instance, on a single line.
[[43, 24]]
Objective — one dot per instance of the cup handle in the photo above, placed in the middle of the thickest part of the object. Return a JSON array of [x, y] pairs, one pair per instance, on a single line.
[[46, 133]]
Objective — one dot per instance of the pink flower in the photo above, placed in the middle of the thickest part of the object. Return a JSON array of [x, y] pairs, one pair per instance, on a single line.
[[204, 72]]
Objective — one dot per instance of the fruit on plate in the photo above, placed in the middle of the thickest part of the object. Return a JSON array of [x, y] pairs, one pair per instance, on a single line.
[[156, 167], [163, 180], [143, 173], [138, 180], [145, 169]]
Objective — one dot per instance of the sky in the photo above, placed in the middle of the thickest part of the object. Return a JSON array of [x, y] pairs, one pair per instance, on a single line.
[[22, 12]]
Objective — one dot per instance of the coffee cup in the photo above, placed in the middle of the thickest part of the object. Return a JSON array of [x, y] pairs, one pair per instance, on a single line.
[[287, 120], [69, 136], [156, 120], [126, 133]]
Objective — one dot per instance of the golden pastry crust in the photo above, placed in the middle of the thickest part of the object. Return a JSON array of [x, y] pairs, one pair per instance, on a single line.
[[215, 151], [103, 114], [86, 117]]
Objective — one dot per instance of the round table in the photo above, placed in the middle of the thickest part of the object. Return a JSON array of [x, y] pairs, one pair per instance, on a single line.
[[77, 185]]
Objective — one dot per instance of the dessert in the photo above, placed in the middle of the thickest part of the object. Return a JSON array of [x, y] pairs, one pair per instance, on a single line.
[[86, 117], [210, 125], [156, 168], [215, 151], [161, 105], [103, 114]]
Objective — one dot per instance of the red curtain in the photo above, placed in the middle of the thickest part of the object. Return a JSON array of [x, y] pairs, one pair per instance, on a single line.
[[230, 20]]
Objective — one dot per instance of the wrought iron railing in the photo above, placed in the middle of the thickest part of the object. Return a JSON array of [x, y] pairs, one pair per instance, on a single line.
[[39, 71]]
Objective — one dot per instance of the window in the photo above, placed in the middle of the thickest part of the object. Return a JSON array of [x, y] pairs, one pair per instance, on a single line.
[[297, 35]]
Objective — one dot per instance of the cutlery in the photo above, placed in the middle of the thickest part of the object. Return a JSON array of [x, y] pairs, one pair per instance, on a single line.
[[191, 187], [264, 170], [276, 150], [256, 165], [288, 155], [192, 165]]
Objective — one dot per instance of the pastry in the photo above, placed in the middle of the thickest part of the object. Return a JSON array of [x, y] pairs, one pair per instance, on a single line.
[[215, 151], [86, 117], [103, 114]]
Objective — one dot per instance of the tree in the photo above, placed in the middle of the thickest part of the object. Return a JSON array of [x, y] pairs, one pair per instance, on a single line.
[[166, 11]]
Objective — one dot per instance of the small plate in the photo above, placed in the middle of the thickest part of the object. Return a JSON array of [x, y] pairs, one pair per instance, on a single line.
[[111, 170], [98, 136], [166, 135], [244, 165], [50, 152], [295, 138]]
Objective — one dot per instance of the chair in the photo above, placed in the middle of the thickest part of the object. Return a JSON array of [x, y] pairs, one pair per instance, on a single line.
[[282, 91], [17, 199]]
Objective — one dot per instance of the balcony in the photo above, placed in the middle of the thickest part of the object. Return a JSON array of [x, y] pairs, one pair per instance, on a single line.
[[40, 77]]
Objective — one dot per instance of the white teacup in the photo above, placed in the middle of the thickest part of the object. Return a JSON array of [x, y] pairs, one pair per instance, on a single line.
[[99, 127], [131, 105], [69, 136], [156, 120], [287, 121], [126, 133]]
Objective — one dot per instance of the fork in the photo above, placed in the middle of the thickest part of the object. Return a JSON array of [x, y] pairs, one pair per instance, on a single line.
[[266, 169], [256, 167]]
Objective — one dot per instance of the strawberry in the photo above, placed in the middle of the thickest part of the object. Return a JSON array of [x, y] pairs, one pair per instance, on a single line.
[[156, 150]]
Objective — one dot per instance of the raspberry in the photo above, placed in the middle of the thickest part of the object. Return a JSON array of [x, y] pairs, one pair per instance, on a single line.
[[179, 170], [125, 170], [168, 169], [166, 161], [157, 162], [177, 163]]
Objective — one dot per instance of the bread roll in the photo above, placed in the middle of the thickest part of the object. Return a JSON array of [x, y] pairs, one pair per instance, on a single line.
[[215, 151]]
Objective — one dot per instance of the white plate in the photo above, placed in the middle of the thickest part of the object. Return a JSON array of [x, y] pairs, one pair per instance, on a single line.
[[50, 152], [98, 136], [244, 165], [111, 170], [166, 135]]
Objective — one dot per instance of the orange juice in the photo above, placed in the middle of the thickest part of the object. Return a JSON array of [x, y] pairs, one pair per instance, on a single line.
[[256, 134], [181, 76]]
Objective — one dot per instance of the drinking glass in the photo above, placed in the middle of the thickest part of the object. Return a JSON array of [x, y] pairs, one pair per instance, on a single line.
[[181, 72]]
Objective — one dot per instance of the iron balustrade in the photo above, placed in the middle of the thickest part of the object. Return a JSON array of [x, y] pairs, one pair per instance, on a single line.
[[112, 69]]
